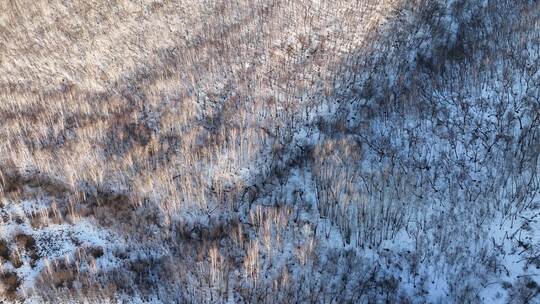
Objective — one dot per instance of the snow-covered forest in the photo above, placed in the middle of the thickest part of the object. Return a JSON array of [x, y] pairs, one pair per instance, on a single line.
[[270, 151]]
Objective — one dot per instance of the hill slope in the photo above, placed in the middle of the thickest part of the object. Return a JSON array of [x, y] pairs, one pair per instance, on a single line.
[[270, 151]]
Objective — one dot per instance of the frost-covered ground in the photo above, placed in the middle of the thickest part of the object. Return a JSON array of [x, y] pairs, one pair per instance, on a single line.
[[270, 152]]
